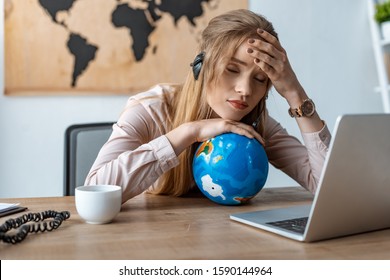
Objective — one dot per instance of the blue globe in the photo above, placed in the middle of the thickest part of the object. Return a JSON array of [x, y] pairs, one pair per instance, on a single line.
[[230, 169]]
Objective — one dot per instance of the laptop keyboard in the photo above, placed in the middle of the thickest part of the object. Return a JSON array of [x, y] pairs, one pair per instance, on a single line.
[[297, 225]]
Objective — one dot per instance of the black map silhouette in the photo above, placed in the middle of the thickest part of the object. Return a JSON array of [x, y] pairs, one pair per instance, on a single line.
[[140, 26]]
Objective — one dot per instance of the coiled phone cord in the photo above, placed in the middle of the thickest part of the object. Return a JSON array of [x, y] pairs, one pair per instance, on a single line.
[[40, 225]]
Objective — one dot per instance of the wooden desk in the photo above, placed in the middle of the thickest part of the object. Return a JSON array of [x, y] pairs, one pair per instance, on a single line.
[[161, 227]]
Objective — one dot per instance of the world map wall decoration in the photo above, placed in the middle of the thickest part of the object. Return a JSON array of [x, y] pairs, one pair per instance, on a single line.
[[105, 47]]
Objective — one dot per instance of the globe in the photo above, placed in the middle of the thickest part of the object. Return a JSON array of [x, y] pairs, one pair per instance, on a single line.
[[230, 169]]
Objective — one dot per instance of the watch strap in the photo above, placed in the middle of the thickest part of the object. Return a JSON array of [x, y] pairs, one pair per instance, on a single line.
[[295, 113]]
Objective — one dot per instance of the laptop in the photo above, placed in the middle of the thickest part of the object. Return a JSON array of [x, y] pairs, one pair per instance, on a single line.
[[353, 195]]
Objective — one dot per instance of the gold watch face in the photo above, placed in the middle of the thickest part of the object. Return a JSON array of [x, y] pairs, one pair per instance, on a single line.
[[308, 108]]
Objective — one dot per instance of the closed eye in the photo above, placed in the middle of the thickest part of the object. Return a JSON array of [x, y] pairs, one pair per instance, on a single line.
[[232, 69], [261, 80]]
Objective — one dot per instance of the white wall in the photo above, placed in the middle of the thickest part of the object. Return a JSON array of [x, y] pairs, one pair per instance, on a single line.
[[329, 46]]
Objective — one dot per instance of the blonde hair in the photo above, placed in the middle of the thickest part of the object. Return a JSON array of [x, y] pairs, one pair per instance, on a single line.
[[220, 40]]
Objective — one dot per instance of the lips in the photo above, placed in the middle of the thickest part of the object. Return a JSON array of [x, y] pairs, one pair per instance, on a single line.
[[238, 104]]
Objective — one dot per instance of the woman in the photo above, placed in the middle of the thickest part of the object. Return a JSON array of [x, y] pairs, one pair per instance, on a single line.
[[153, 142]]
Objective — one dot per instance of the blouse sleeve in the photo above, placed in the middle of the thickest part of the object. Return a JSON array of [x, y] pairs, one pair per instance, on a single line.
[[136, 154], [303, 163]]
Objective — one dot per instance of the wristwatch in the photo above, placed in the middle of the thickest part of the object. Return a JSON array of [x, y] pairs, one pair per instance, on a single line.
[[306, 109]]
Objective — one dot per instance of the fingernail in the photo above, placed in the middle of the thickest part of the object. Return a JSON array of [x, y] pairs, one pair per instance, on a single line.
[[251, 41], [249, 50], [260, 30], [257, 60]]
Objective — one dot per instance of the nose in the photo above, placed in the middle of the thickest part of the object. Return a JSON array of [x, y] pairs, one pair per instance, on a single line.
[[243, 86]]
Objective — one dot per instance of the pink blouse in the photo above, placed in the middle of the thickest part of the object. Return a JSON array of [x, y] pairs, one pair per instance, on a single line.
[[138, 152]]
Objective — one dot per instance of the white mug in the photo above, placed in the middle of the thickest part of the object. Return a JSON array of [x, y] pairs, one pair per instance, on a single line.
[[98, 204]]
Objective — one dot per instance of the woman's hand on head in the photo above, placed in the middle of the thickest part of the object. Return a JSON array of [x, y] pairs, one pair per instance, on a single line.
[[202, 130], [272, 58]]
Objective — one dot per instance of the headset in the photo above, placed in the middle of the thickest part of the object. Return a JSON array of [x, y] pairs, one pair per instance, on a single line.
[[197, 64]]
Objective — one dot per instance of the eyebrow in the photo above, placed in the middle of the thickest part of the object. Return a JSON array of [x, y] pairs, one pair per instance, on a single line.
[[238, 61]]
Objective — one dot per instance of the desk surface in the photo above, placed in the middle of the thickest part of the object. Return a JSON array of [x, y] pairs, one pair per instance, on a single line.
[[162, 227]]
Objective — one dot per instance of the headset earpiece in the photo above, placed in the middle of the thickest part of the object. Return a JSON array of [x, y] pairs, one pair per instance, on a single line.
[[197, 64]]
